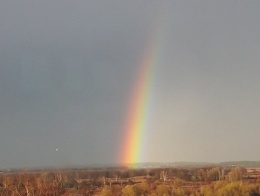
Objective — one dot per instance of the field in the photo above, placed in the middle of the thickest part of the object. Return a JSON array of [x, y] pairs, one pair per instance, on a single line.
[[126, 181]]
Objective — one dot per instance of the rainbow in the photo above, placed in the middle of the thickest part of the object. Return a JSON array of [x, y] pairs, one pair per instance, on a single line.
[[137, 116]]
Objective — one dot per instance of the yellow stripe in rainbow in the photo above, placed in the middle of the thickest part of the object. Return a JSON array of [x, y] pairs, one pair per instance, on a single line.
[[138, 107]]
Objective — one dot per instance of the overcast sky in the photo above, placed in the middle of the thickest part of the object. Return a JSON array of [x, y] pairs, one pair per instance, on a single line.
[[67, 69]]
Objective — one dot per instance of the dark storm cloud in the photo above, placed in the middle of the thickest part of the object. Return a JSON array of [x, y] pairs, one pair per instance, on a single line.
[[65, 71]]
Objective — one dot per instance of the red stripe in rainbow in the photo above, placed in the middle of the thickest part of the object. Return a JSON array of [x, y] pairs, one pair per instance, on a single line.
[[137, 111]]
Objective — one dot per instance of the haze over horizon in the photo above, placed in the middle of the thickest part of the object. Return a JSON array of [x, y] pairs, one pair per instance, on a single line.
[[67, 69]]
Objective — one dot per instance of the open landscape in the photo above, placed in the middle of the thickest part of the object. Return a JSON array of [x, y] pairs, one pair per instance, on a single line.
[[216, 179], [129, 98]]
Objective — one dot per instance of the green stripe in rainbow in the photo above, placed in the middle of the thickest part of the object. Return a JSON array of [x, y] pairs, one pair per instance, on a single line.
[[136, 122], [140, 107]]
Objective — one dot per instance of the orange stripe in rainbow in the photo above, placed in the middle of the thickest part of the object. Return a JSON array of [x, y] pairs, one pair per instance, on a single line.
[[139, 108], [137, 111]]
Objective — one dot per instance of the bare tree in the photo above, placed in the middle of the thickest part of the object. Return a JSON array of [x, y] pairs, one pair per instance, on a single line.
[[103, 179], [164, 175]]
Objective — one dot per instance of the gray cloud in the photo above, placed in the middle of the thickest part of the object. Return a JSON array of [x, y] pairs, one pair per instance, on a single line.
[[67, 70]]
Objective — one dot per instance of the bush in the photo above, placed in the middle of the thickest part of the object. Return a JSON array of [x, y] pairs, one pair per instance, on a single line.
[[132, 190], [106, 192], [206, 191], [179, 192], [234, 175], [233, 189], [163, 190]]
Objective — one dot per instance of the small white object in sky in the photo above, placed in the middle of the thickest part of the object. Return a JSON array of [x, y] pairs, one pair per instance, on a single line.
[[57, 149]]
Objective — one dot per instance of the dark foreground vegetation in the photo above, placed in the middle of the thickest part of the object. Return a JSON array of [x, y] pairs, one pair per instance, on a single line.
[[220, 181]]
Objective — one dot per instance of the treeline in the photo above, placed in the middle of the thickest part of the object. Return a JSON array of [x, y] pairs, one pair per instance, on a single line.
[[132, 182]]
